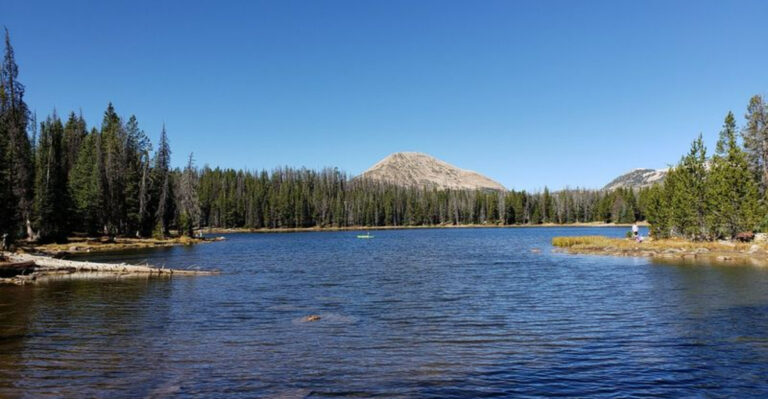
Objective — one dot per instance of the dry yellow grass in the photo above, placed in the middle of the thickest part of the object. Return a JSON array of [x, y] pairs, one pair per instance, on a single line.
[[595, 242], [567, 242], [707, 252]]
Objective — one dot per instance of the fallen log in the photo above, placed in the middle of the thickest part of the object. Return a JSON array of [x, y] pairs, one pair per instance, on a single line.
[[10, 269], [33, 267]]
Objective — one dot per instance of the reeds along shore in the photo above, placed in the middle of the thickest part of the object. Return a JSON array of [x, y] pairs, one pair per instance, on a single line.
[[711, 251]]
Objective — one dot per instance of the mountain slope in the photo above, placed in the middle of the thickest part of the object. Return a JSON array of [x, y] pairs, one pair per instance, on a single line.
[[422, 170], [637, 178]]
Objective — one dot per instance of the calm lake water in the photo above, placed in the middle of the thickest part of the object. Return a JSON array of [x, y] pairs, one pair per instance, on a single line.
[[462, 313]]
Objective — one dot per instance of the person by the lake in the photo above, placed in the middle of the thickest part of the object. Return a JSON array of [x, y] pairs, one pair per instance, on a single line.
[[636, 233]]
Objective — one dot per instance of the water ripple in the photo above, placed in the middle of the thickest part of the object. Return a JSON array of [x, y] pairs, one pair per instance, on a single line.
[[467, 313]]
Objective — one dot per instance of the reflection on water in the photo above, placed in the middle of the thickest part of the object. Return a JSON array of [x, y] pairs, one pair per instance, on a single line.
[[426, 313]]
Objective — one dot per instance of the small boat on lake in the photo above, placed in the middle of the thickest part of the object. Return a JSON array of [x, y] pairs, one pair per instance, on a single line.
[[366, 235]]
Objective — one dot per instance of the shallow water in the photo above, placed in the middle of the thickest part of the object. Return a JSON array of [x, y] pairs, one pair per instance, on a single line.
[[454, 313]]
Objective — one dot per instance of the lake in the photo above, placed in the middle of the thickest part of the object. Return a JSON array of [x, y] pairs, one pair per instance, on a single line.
[[429, 313]]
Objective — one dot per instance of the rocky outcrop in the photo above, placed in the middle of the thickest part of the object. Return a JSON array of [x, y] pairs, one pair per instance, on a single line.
[[421, 170], [637, 178]]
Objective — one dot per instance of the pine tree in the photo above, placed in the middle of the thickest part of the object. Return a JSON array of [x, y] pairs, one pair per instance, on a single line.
[[52, 199], [732, 190], [85, 187], [113, 140], [755, 135], [546, 206], [162, 181], [74, 133], [135, 170], [188, 202], [686, 186], [18, 164], [657, 208], [7, 212]]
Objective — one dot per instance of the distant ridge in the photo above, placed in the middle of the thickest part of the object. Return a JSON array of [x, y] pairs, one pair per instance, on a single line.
[[637, 178], [422, 170]]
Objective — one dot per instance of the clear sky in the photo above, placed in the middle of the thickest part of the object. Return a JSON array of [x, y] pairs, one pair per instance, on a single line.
[[556, 93]]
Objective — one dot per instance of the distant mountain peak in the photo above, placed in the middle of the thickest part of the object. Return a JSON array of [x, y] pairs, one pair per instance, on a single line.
[[637, 178], [423, 170]]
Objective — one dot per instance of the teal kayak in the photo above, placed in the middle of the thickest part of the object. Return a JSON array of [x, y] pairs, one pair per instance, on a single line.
[[364, 236]]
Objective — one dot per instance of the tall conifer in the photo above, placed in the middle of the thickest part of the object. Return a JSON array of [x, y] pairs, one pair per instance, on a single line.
[[17, 152], [732, 190], [52, 199]]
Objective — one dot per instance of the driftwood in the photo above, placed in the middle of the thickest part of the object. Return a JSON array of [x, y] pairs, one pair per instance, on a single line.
[[31, 268], [15, 268]]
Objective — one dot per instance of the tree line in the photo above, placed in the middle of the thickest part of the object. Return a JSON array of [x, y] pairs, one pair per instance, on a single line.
[[61, 177], [294, 198], [717, 197], [58, 177]]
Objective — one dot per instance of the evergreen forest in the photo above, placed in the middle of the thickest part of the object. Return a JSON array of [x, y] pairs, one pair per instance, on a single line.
[[61, 177]]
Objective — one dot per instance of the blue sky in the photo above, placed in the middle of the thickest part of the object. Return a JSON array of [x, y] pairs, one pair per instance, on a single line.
[[556, 93]]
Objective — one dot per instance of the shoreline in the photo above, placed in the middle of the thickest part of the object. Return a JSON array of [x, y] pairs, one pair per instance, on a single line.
[[220, 230], [666, 250], [87, 245], [22, 269]]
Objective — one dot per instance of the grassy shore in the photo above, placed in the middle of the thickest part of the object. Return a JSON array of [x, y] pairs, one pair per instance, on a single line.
[[670, 249], [434, 226]]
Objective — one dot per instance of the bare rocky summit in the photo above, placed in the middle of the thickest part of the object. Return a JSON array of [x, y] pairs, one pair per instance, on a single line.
[[637, 178], [422, 170]]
